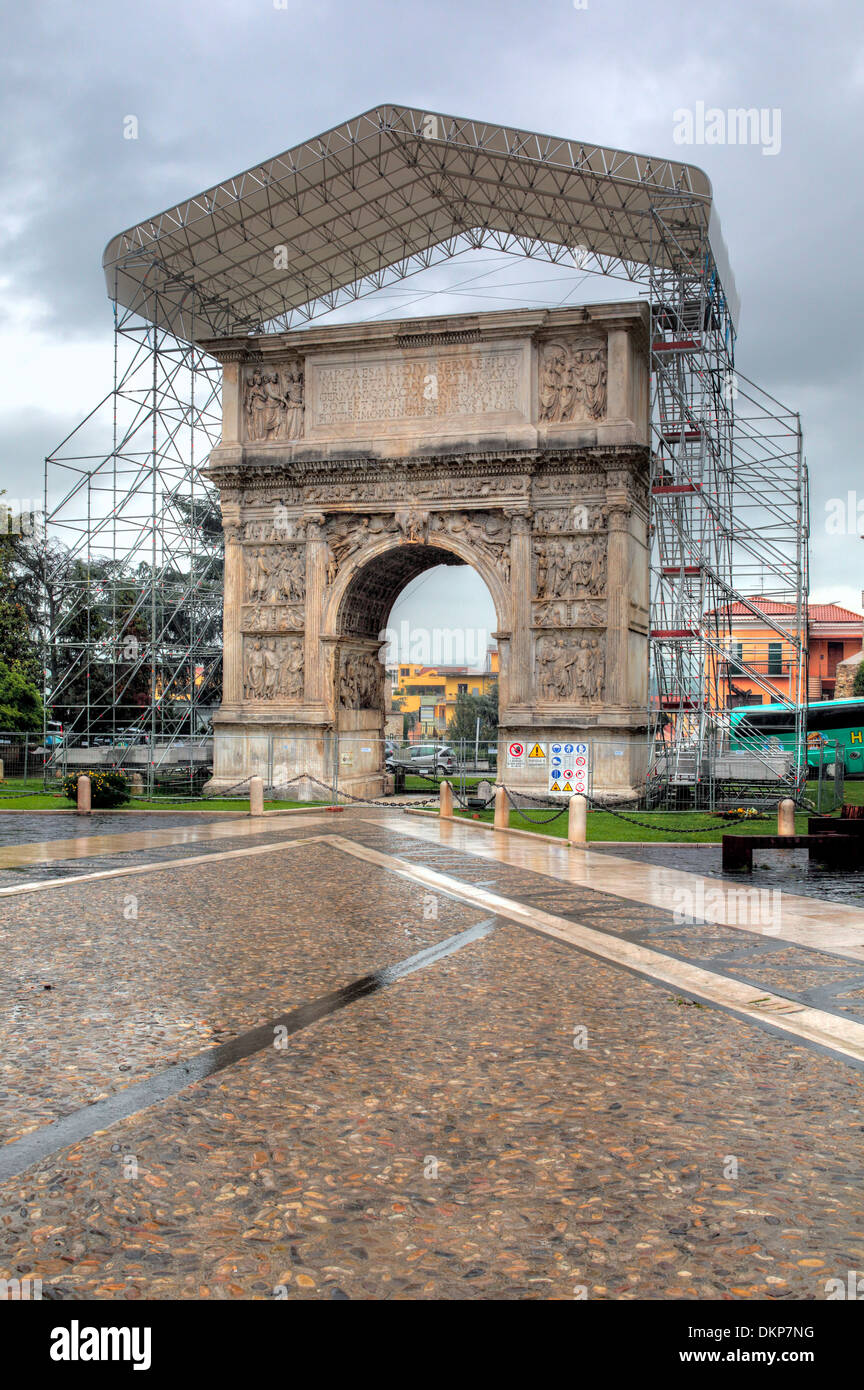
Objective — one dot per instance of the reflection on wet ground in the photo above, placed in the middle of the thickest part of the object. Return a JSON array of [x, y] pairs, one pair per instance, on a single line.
[[789, 870]]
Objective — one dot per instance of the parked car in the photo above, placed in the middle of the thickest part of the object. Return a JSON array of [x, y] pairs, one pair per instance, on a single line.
[[127, 737], [425, 758]]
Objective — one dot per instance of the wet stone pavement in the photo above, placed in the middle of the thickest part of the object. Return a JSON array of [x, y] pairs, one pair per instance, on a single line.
[[790, 870], [516, 1119]]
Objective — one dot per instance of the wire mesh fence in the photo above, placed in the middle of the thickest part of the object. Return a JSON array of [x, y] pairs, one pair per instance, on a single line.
[[349, 767]]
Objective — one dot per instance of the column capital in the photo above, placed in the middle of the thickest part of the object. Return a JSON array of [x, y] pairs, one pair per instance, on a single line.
[[520, 520]]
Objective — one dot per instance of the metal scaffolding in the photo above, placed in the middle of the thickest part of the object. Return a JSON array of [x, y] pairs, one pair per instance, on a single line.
[[134, 647], [386, 195]]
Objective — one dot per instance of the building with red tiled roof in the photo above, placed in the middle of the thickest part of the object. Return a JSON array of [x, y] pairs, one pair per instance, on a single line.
[[834, 635]]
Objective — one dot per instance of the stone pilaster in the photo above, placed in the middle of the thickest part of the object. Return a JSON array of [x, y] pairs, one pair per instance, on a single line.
[[619, 387], [618, 597], [232, 655], [521, 580], [316, 671]]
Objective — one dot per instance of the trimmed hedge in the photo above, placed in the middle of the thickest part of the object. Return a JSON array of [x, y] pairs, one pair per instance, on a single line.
[[108, 786]]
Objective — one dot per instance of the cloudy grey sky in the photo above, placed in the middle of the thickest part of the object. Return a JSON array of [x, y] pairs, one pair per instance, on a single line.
[[217, 85]]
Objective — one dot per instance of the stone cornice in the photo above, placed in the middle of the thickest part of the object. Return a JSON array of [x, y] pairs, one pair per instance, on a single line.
[[251, 475], [631, 315]]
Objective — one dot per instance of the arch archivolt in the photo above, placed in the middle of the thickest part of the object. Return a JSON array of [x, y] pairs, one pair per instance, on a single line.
[[370, 579]]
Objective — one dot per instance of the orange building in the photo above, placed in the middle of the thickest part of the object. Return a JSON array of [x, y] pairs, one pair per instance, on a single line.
[[430, 692], [833, 633]]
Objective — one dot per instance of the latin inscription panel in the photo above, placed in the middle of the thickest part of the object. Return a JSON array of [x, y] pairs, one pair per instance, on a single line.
[[428, 390]]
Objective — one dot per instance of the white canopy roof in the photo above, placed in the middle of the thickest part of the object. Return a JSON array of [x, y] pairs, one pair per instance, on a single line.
[[390, 192]]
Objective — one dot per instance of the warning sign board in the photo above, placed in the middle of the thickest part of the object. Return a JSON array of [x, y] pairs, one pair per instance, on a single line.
[[538, 752], [569, 764], [516, 754]]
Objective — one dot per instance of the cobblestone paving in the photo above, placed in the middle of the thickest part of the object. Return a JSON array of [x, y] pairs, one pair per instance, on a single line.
[[809, 976], [442, 1138]]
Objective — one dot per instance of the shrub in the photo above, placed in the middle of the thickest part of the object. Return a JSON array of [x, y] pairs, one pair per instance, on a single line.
[[20, 701], [858, 682], [108, 786]]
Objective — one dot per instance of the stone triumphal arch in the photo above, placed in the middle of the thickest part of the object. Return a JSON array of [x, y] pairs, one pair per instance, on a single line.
[[354, 458]]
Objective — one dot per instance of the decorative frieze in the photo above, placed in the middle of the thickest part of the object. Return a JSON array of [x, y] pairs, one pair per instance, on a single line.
[[274, 617], [562, 613]]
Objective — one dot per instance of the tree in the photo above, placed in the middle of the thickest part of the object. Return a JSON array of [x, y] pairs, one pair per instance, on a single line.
[[468, 709], [19, 631], [20, 701], [858, 681]]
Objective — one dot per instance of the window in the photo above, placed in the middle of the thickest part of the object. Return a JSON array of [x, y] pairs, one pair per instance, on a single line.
[[775, 658], [461, 689], [735, 658]]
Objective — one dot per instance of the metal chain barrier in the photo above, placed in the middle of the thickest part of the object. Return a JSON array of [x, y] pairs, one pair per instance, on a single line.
[[731, 816], [547, 820], [463, 801]]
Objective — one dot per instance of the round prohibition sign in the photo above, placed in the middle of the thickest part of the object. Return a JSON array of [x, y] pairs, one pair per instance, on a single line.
[[516, 750]]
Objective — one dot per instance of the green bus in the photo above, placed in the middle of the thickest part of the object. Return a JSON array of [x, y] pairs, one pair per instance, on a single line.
[[840, 721]]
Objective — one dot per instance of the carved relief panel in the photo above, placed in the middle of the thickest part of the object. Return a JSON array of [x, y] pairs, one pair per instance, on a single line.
[[273, 402], [487, 532], [571, 667], [570, 567], [361, 677], [272, 668], [579, 516], [274, 574], [573, 377]]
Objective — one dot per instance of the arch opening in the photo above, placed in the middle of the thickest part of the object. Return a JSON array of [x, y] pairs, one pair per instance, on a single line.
[[399, 685]]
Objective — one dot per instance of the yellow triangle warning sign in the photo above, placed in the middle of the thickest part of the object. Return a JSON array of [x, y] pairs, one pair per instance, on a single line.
[[537, 752], [567, 787], [555, 787]]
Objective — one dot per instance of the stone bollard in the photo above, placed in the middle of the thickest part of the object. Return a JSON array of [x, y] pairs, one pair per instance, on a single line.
[[256, 796], [786, 817], [577, 820], [502, 810], [1, 770], [136, 783], [85, 796], [445, 801]]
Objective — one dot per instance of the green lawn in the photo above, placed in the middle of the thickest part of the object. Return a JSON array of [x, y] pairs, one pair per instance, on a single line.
[[699, 827], [665, 825], [602, 825], [31, 797]]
